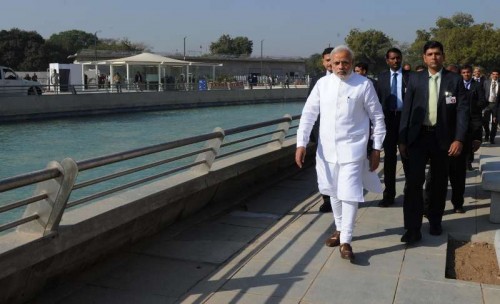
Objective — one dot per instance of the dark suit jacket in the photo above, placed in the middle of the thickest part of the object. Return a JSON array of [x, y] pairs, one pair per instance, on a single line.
[[314, 79], [452, 118], [383, 88], [477, 102]]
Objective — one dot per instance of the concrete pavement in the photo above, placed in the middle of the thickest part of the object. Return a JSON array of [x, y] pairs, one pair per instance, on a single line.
[[270, 249]]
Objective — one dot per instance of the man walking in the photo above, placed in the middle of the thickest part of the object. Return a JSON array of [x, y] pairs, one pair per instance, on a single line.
[[325, 61], [391, 88], [458, 164], [434, 122], [491, 95], [346, 103]]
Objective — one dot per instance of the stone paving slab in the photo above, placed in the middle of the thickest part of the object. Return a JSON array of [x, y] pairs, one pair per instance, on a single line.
[[271, 250]]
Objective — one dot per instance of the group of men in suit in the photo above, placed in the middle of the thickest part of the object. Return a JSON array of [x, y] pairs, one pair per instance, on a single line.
[[433, 117]]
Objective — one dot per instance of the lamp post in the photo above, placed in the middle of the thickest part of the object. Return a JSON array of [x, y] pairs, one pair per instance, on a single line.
[[261, 49], [95, 44], [185, 47]]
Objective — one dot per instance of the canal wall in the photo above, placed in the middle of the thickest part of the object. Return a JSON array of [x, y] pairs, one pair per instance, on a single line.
[[21, 108], [31, 263]]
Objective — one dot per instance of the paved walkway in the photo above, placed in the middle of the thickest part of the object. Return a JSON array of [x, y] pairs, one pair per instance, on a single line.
[[271, 250]]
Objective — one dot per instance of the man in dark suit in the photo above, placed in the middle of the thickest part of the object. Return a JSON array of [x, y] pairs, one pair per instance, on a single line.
[[491, 91], [325, 60], [391, 87], [434, 122], [477, 75], [458, 164]]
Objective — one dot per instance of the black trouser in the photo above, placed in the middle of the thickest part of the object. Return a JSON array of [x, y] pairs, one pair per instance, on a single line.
[[457, 172], [424, 148], [487, 116], [392, 120]]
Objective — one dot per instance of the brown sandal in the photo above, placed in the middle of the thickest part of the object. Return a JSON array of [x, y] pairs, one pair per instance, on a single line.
[[333, 240]]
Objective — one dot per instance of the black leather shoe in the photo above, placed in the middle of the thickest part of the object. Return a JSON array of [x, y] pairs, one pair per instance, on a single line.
[[325, 207], [459, 210], [385, 203], [469, 167], [435, 229], [411, 237], [492, 141]]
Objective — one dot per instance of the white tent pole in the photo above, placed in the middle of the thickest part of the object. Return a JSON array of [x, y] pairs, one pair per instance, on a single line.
[[128, 77], [159, 77], [96, 76], [187, 77], [111, 74]]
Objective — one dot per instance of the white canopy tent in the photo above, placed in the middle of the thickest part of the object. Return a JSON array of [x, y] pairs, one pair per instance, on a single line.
[[149, 59]]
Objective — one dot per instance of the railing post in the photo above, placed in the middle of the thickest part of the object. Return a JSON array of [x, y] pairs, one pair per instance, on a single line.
[[208, 157], [58, 190], [279, 136]]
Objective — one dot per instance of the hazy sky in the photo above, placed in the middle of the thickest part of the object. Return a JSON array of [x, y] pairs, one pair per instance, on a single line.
[[288, 28]]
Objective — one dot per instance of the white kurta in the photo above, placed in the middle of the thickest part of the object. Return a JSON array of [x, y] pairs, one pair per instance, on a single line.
[[346, 108]]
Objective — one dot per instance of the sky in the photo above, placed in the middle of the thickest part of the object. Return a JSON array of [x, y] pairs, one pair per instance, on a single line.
[[289, 28]]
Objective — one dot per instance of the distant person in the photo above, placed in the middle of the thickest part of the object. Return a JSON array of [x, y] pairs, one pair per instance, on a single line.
[[117, 79], [362, 69], [407, 67], [326, 206], [250, 81], [453, 68], [287, 81], [138, 81], [34, 77], [27, 77], [477, 74], [54, 80], [270, 81], [491, 91]]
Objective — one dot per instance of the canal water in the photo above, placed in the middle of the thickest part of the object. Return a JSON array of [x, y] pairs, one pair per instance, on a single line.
[[30, 146]]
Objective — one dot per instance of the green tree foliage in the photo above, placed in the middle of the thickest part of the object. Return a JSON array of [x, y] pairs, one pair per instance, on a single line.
[[123, 44], [314, 65], [72, 41], [464, 41], [22, 50], [226, 45], [28, 51], [414, 52], [369, 46]]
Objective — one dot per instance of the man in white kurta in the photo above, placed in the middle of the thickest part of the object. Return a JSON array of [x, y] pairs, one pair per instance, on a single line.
[[347, 103]]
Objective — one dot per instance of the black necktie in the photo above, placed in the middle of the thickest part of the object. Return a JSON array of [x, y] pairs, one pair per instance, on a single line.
[[393, 101]]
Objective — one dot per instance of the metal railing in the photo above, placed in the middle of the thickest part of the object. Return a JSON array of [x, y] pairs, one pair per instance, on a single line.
[[42, 89], [58, 188]]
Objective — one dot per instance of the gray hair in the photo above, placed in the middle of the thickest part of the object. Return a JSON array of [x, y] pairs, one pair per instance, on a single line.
[[343, 48]]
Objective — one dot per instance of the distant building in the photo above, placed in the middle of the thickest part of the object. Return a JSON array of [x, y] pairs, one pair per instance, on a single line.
[[231, 65]]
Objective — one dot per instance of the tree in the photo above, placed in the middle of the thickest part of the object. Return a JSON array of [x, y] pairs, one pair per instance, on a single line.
[[226, 45], [369, 47], [123, 44], [464, 42], [22, 50], [414, 55], [70, 42], [314, 65]]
